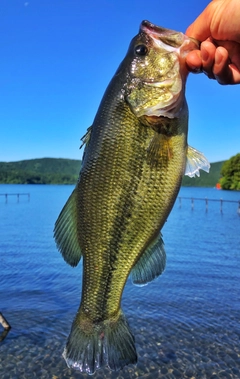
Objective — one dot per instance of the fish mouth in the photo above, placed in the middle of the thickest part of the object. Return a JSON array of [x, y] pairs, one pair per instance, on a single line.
[[169, 37]]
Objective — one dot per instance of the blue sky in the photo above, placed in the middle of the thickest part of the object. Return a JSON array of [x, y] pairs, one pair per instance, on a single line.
[[57, 58]]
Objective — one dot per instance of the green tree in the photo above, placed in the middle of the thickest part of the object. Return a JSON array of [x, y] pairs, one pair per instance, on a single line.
[[231, 174]]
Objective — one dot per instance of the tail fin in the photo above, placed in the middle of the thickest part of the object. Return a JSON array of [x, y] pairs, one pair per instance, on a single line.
[[109, 343]]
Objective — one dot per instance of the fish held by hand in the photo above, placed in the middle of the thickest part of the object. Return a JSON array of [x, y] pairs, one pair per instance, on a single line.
[[136, 153]]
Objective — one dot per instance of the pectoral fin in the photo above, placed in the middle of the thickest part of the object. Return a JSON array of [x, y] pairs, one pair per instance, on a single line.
[[159, 150], [65, 232], [195, 161], [151, 264]]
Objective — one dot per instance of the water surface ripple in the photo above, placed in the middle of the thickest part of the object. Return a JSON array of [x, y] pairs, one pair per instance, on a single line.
[[186, 323]]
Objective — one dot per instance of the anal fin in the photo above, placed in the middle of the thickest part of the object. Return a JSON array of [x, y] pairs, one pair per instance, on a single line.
[[151, 264]]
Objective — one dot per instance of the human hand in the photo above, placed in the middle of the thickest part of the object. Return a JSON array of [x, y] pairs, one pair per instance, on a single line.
[[218, 29]]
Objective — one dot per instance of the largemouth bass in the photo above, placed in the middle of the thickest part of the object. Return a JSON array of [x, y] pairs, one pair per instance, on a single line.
[[135, 156]]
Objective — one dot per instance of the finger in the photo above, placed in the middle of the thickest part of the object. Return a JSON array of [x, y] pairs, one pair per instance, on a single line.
[[221, 68], [208, 50], [235, 74], [194, 61], [224, 71], [200, 28]]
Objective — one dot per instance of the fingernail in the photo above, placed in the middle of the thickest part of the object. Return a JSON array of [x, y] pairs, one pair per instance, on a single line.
[[218, 57], [204, 54]]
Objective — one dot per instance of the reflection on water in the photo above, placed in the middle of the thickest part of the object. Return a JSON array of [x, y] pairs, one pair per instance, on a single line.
[[186, 323]]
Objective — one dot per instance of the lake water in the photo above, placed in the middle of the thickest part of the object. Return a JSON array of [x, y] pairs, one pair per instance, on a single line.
[[186, 323]]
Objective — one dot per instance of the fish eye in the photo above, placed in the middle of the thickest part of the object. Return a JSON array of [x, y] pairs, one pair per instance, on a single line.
[[141, 50]]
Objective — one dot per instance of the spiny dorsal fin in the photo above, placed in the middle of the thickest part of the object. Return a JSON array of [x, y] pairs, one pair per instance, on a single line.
[[151, 264], [85, 139], [195, 161], [65, 232]]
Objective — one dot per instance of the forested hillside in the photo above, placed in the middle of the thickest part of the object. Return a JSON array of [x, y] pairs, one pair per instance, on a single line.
[[66, 171], [231, 173], [40, 171]]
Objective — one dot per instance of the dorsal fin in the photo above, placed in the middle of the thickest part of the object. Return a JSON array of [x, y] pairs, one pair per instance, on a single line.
[[86, 138]]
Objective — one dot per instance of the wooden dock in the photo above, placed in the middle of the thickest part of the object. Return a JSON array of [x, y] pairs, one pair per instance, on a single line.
[[206, 200], [18, 195]]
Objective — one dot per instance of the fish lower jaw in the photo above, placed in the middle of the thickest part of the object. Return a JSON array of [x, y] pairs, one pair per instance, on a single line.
[[168, 83]]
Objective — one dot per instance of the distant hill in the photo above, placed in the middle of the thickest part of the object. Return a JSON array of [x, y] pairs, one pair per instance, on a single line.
[[66, 171], [205, 179], [40, 171]]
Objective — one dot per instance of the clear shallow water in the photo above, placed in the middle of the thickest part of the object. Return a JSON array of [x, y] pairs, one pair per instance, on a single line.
[[186, 323]]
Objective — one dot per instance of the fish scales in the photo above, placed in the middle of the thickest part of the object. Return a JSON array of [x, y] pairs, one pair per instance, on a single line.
[[135, 155], [122, 222], [111, 214]]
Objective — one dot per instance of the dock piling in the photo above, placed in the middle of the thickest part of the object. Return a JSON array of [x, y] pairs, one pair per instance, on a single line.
[[206, 200], [15, 194]]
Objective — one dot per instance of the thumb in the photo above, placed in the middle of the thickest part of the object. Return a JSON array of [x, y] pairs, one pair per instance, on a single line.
[[200, 28]]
